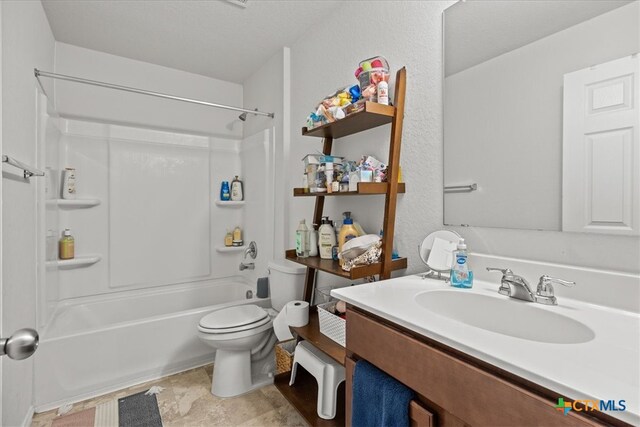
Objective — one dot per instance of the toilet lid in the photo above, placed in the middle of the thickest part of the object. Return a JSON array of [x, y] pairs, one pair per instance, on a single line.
[[234, 317]]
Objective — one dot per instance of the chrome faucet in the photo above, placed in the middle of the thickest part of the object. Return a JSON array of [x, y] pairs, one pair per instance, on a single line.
[[544, 293], [515, 286], [247, 266]]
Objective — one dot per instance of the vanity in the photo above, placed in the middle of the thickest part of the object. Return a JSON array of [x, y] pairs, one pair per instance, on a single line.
[[475, 357]]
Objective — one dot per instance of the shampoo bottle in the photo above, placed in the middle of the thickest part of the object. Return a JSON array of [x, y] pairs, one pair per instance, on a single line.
[[224, 191], [236, 190], [302, 240], [347, 232], [327, 238], [461, 276], [313, 240], [67, 245]]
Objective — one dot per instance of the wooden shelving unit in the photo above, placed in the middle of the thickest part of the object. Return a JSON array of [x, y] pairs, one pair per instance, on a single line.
[[333, 267], [303, 395], [311, 332], [372, 116], [364, 188]]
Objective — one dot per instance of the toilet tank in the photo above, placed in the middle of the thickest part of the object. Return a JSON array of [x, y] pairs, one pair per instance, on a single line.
[[286, 282]]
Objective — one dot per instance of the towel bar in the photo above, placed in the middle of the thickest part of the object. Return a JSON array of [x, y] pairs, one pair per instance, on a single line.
[[28, 170]]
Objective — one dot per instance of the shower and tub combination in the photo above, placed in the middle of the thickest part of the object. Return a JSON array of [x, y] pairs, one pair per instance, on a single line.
[[150, 257]]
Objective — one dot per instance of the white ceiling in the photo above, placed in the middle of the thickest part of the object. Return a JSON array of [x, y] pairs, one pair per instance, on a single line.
[[212, 38], [478, 30]]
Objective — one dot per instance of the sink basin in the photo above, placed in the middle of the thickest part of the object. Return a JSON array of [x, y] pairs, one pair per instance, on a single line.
[[505, 316]]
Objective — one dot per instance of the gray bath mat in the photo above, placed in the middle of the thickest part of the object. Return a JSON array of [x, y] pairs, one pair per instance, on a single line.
[[139, 410]]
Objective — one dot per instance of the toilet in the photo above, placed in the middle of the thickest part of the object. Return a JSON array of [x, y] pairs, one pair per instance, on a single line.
[[243, 335]]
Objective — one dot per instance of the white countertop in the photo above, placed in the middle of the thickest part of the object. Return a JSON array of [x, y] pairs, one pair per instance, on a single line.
[[607, 367]]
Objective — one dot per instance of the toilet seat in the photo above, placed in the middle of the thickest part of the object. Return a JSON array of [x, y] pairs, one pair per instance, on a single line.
[[234, 319]]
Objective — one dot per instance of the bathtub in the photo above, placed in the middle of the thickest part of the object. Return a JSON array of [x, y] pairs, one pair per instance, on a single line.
[[97, 345]]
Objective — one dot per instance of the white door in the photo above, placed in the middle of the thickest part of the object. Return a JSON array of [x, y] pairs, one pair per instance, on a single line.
[[601, 149]]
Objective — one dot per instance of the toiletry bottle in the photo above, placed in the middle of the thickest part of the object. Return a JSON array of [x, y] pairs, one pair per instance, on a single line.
[[329, 176], [228, 239], [327, 238], [313, 240], [67, 245], [225, 195], [347, 232], [236, 190], [302, 240], [69, 183], [394, 251], [383, 93], [461, 276], [237, 236]]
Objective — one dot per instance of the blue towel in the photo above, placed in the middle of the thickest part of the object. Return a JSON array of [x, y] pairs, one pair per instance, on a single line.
[[378, 399]]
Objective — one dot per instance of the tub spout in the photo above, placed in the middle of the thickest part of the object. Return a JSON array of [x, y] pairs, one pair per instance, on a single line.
[[247, 266]]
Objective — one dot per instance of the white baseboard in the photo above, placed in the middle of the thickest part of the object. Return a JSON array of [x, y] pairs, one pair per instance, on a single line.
[[28, 417]]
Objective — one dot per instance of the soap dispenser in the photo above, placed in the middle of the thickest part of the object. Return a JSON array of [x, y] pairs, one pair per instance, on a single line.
[[461, 276]]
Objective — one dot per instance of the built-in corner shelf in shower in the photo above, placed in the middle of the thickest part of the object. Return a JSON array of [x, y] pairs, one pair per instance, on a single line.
[[230, 203], [73, 203], [231, 248], [81, 261]]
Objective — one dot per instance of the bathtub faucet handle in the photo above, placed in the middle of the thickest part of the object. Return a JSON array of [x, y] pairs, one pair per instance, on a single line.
[[252, 250]]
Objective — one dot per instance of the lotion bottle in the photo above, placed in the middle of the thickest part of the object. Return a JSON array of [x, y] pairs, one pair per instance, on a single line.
[[66, 245], [327, 238]]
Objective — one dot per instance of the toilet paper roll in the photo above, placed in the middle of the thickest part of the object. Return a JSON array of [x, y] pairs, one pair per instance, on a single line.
[[294, 313]]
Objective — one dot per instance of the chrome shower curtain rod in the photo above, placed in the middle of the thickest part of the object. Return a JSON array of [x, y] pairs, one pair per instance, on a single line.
[[39, 73]]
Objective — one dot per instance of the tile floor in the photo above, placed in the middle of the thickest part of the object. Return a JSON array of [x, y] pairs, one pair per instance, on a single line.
[[186, 401]]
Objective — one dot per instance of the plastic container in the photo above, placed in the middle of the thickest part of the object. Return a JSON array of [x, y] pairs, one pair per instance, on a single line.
[[331, 325], [370, 72], [461, 276]]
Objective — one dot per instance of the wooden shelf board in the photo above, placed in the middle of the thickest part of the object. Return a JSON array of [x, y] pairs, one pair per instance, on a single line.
[[373, 115], [303, 395], [333, 267], [311, 332], [364, 188]]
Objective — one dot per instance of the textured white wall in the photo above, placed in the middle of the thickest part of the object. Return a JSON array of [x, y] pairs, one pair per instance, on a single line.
[[27, 42], [409, 35], [107, 105], [414, 39]]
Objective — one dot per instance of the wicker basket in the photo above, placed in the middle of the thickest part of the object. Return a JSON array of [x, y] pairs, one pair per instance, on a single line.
[[331, 325], [284, 355]]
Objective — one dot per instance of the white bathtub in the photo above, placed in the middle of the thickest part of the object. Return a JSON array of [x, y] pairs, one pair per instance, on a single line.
[[98, 345]]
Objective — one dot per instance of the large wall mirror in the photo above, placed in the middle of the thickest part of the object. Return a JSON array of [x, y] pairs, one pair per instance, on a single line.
[[541, 115]]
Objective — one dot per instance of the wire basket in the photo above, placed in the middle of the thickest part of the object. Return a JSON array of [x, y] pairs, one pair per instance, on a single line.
[[331, 325], [284, 356]]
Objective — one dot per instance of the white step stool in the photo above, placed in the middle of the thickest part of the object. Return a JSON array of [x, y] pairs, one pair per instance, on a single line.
[[327, 372]]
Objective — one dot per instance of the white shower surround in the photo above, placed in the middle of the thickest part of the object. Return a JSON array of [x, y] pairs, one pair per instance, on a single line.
[[96, 345], [115, 324]]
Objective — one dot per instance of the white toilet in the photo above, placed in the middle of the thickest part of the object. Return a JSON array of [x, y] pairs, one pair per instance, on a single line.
[[243, 335]]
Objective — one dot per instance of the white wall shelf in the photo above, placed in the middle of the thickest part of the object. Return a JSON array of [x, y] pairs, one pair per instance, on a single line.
[[231, 248], [81, 261], [230, 203], [73, 203]]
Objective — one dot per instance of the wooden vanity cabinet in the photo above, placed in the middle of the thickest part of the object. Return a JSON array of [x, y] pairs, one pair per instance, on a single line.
[[452, 388]]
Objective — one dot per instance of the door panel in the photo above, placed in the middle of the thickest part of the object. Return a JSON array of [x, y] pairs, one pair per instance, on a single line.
[[601, 149]]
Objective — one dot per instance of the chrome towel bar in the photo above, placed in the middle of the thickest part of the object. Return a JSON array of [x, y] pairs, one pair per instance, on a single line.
[[460, 188], [28, 170]]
